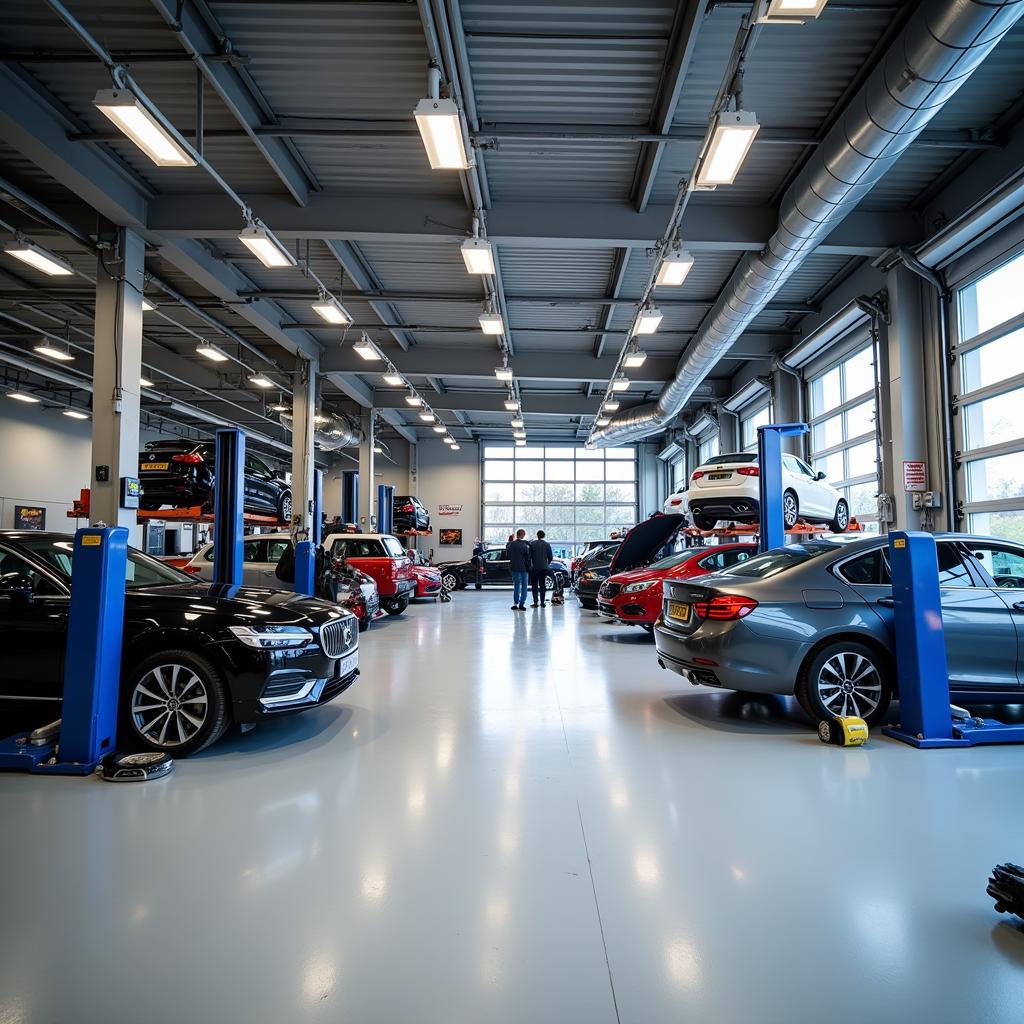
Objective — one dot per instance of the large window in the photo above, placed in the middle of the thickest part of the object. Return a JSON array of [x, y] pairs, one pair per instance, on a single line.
[[751, 418], [708, 447], [990, 383], [843, 446], [573, 494]]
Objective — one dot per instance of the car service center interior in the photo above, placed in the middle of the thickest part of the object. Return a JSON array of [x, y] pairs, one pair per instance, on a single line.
[[525, 501]]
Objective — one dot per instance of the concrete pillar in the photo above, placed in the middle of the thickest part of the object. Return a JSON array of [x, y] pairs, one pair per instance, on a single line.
[[786, 408], [367, 477], [728, 431], [303, 412], [117, 366]]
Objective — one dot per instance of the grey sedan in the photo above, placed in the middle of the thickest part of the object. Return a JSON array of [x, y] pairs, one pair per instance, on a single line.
[[814, 620]]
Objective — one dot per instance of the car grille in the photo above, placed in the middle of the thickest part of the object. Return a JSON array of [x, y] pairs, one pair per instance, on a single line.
[[338, 638], [610, 589]]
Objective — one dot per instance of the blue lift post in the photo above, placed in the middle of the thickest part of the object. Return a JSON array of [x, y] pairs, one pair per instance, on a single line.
[[305, 550], [389, 501], [769, 460], [925, 717], [384, 509], [350, 496], [92, 672], [228, 502]]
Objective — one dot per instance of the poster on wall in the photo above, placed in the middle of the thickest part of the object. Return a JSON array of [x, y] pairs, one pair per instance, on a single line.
[[451, 538], [449, 510], [29, 517]]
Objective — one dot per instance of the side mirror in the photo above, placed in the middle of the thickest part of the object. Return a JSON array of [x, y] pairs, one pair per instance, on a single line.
[[819, 476], [17, 587]]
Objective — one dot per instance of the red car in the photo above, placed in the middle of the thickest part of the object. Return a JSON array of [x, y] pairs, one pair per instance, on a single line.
[[381, 556], [634, 597], [428, 579]]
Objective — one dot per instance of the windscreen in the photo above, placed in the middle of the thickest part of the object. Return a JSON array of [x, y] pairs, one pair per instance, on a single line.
[[671, 560], [771, 563], [394, 546]]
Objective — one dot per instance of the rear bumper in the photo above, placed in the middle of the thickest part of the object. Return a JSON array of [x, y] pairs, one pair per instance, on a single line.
[[736, 506]]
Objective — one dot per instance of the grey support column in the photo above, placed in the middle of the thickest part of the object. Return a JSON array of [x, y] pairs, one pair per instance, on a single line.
[[117, 366], [367, 475], [303, 412], [787, 408]]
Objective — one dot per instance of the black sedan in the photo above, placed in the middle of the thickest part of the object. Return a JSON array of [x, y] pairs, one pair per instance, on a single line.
[[491, 567], [591, 572], [193, 662], [409, 514], [181, 474]]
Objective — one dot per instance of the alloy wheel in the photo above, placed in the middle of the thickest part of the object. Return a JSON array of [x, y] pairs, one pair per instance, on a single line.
[[448, 581], [169, 705], [842, 515], [790, 510], [849, 684], [286, 508]]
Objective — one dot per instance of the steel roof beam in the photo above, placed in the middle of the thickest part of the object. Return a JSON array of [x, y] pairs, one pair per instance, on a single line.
[[394, 418], [618, 275]]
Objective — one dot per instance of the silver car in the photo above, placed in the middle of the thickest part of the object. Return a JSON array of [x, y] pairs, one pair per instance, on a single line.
[[815, 620], [260, 555]]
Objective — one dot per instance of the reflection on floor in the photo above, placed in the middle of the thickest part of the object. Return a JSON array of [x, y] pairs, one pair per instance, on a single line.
[[519, 817]]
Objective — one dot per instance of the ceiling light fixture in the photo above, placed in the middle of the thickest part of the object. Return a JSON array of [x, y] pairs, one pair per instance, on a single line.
[[503, 372], [75, 414], [478, 255], [440, 428], [511, 405], [36, 256], [610, 405], [635, 356], [147, 306], [620, 383], [603, 421], [60, 354], [20, 396], [265, 247], [211, 352], [790, 11], [427, 417], [365, 349], [393, 380], [491, 323], [158, 139], [520, 444], [279, 407], [377, 450], [328, 308], [414, 400], [674, 268], [731, 139], [647, 320], [441, 130], [517, 422], [519, 435], [145, 382], [261, 381], [454, 447]]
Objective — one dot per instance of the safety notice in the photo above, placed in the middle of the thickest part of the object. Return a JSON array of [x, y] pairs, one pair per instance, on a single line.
[[915, 477], [449, 510]]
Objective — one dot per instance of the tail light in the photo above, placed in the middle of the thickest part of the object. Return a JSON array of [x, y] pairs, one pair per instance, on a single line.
[[724, 607], [696, 475], [748, 471], [191, 458], [676, 501], [190, 569], [405, 508]]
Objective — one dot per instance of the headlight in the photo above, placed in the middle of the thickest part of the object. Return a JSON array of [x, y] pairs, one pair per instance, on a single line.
[[632, 588], [267, 637], [589, 576]]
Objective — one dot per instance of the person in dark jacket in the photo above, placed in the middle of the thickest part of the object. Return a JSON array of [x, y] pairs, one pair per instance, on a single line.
[[519, 562], [541, 556]]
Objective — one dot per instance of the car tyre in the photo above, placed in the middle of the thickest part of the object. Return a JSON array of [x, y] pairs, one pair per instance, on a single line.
[[450, 581], [703, 522], [841, 520], [364, 624], [284, 507], [193, 698], [790, 509], [396, 605], [846, 677]]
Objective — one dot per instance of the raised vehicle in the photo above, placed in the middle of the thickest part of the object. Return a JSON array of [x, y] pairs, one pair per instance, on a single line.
[[408, 514], [491, 568], [676, 502], [727, 488], [815, 621], [634, 597], [381, 556], [181, 473], [193, 662]]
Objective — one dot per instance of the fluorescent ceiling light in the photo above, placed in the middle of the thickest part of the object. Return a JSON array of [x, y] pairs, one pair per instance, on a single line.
[[520, 444], [331, 310], [280, 407], [454, 447], [610, 405], [262, 382], [503, 372], [647, 320], [377, 450], [147, 306], [265, 247], [159, 141], [20, 396], [75, 414], [511, 405], [366, 349], [449, 440], [211, 352], [731, 139], [478, 255], [54, 353], [795, 8], [440, 428], [620, 383], [144, 382], [674, 268], [414, 400], [517, 422], [427, 417], [38, 257], [519, 434], [441, 131], [635, 357], [491, 323], [603, 421], [394, 380]]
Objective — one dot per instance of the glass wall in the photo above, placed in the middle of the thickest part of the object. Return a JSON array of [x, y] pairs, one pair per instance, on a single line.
[[750, 419], [573, 494], [990, 384], [842, 421], [708, 447]]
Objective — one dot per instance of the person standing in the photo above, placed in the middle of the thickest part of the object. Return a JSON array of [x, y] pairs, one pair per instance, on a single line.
[[541, 556], [519, 562]]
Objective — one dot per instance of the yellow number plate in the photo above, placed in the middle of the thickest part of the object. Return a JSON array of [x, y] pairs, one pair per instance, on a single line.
[[155, 465], [679, 611]]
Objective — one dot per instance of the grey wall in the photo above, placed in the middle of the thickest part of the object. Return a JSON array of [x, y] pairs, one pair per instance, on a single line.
[[450, 478], [393, 471]]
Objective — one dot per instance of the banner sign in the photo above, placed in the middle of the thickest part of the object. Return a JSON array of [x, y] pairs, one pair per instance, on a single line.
[[449, 510]]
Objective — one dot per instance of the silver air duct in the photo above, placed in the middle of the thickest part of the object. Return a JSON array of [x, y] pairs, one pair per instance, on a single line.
[[331, 431], [939, 49]]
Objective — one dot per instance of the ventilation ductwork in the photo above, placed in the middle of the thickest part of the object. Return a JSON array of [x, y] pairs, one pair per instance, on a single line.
[[331, 432], [939, 49]]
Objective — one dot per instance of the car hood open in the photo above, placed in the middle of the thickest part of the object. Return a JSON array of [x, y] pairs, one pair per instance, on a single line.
[[645, 540]]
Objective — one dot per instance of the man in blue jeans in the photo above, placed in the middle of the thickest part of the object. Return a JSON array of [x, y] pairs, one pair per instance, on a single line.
[[519, 562]]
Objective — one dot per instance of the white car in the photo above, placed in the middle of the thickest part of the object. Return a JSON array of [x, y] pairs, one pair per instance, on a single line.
[[727, 488], [675, 503]]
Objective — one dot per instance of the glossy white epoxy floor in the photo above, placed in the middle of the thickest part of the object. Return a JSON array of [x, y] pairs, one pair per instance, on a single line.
[[518, 818]]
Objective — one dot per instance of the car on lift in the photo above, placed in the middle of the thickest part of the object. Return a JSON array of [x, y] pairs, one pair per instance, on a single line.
[[428, 577], [194, 660], [408, 514], [634, 597], [491, 568], [815, 621], [676, 502], [643, 544], [381, 556], [268, 560], [181, 473], [727, 487]]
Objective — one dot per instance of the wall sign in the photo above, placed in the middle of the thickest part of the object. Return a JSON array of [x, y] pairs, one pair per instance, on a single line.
[[29, 517], [451, 538], [915, 477], [449, 510]]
